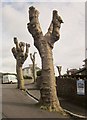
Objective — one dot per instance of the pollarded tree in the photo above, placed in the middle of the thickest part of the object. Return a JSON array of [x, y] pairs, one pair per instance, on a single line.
[[44, 44], [20, 57], [33, 67]]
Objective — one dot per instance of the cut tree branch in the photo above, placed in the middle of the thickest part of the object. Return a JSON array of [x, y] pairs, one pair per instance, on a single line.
[[34, 25]]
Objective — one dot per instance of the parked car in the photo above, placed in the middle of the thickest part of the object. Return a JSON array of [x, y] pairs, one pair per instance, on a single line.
[[9, 79]]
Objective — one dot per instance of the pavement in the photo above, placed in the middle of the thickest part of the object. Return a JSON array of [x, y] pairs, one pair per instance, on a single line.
[[18, 104], [66, 104]]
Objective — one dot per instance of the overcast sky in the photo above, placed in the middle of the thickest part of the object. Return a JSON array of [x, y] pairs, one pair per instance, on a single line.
[[69, 51]]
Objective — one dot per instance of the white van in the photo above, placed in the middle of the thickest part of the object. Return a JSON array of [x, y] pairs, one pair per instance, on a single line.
[[9, 79]]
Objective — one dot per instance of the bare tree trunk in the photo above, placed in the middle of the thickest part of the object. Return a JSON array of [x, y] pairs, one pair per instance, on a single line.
[[44, 44], [34, 71], [20, 57], [48, 87], [20, 78], [33, 67]]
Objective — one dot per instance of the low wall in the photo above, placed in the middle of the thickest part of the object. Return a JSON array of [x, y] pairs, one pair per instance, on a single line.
[[67, 88]]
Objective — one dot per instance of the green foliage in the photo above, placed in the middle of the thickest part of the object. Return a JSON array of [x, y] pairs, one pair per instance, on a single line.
[[27, 77], [39, 73]]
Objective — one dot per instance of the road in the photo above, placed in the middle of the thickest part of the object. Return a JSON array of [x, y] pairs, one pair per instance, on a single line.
[[17, 104]]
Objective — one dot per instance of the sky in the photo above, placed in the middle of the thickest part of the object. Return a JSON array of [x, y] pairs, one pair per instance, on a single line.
[[69, 51]]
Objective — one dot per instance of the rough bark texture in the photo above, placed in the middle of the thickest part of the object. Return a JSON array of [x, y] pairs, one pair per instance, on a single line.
[[33, 67], [20, 57], [44, 44]]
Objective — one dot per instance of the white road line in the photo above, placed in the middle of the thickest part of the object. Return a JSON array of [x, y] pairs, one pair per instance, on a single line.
[[67, 111], [73, 114], [32, 98]]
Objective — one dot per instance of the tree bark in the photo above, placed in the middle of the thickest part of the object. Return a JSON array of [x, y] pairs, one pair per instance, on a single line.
[[48, 86], [20, 78], [34, 72], [44, 44], [33, 66], [20, 57]]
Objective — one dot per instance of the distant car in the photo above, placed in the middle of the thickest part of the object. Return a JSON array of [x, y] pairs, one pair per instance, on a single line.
[[9, 79]]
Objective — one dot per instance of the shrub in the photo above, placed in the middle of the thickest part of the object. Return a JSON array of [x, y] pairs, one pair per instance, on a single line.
[[39, 73], [27, 77]]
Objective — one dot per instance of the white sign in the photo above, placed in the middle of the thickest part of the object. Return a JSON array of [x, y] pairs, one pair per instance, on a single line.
[[80, 87]]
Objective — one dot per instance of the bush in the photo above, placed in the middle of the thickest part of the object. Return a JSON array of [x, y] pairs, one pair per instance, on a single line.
[[27, 77], [39, 73]]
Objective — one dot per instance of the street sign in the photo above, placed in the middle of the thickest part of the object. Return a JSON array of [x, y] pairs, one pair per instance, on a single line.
[[80, 87]]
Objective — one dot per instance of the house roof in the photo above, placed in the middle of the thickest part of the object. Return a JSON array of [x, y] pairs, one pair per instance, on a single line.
[[72, 70], [80, 70]]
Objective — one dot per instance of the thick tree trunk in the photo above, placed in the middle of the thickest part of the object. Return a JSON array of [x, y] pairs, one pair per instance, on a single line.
[[34, 72], [44, 44], [20, 77], [48, 98]]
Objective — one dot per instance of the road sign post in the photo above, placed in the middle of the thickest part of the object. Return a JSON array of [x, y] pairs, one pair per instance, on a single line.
[[80, 87]]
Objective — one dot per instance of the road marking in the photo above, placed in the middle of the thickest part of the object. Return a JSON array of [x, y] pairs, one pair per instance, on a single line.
[[75, 115], [30, 95]]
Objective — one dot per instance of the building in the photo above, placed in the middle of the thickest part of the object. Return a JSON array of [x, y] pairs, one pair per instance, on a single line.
[[28, 71], [85, 66], [81, 72], [85, 62], [71, 71]]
